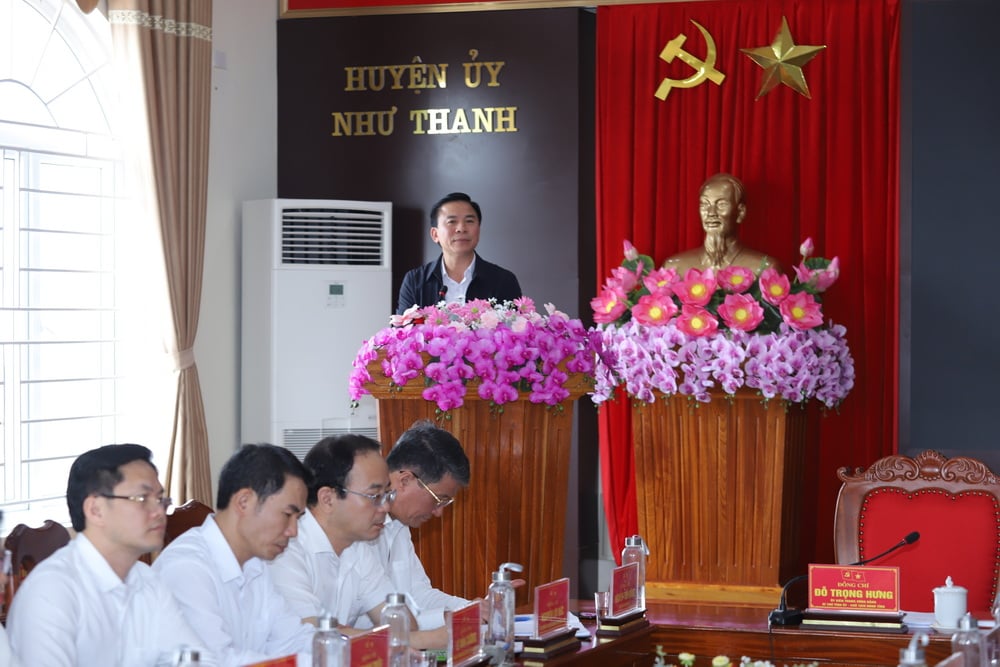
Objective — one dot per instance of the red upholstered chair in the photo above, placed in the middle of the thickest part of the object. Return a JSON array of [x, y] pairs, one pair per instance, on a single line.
[[953, 503], [189, 515], [30, 546], [186, 516]]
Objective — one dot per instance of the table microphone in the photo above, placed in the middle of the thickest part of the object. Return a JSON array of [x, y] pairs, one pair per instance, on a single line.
[[909, 539], [785, 616]]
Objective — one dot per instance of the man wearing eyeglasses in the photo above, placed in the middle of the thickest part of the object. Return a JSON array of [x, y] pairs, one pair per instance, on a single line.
[[332, 565], [92, 602], [428, 468]]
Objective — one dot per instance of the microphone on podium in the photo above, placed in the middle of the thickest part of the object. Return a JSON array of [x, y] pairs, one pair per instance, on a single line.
[[782, 615]]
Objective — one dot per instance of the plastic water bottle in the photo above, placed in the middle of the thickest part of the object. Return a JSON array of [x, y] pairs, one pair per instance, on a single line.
[[992, 639], [635, 552], [913, 654], [397, 617], [969, 640], [500, 631], [329, 647], [189, 658]]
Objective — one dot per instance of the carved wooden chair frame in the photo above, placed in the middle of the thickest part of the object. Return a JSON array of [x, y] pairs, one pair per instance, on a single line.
[[928, 473]]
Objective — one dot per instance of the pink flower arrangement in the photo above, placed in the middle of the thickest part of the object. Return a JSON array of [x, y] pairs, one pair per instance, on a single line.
[[501, 349], [661, 332]]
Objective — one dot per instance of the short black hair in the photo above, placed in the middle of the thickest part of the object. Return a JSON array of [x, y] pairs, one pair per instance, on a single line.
[[99, 471], [431, 453], [262, 468], [332, 459], [454, 196]]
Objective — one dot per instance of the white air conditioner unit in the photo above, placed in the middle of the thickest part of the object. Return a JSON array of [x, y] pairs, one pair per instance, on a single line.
[[316, 284]]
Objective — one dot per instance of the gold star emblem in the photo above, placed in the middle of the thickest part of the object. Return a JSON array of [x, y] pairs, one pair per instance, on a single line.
[[783, 61]]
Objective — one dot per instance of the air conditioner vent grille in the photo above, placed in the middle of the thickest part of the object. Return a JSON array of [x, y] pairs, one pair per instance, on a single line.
[[333, 237], [300, 440]]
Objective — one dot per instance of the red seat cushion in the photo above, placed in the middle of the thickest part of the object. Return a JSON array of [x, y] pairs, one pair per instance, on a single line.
[[959, 537]]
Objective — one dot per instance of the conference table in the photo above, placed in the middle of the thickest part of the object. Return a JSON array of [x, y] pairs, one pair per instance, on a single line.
[[708, 630], [736, 631]]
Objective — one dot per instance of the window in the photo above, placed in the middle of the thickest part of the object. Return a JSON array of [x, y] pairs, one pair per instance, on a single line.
[[74, 348]]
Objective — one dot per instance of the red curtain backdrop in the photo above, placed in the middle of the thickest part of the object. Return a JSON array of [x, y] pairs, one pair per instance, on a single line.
[[825, 167]]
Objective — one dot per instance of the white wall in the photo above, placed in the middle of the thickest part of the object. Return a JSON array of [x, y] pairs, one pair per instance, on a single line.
[[243, 158]]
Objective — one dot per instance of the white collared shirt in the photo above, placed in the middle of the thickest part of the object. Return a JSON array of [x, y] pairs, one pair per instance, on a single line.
[[238, 613], [74, 610], [399, 558], [6, 657], [315, 580], [455, 291]]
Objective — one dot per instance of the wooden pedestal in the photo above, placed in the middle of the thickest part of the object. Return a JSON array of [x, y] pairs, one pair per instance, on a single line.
[[718, 487], [515, 506]]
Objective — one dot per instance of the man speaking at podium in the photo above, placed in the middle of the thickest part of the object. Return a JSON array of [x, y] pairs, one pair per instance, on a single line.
[[460, 274]]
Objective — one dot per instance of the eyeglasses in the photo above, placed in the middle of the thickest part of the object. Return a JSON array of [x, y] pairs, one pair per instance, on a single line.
[[150, 502], [378, 499], [441, 503]]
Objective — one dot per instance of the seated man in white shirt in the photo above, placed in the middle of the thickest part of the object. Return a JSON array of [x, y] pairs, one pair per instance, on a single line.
[[92, 602], [218, 570], [332, 566], [428, 468]]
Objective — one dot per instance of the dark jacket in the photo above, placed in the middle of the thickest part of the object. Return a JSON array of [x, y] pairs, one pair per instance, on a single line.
[[425, 285]]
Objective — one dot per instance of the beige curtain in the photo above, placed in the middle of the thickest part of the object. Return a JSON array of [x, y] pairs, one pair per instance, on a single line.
[[163, 51]]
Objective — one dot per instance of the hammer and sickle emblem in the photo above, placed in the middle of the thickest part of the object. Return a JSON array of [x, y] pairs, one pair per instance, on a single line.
[[703, 69]]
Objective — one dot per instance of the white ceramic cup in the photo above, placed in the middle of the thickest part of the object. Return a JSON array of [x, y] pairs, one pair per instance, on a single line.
[[949, 604]]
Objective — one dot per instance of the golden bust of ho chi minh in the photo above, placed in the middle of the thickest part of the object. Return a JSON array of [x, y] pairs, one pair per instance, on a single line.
[[722, 210]]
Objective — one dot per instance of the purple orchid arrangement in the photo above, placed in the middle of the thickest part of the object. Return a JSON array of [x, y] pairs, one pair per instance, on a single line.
[[728, 329], [502, 349]]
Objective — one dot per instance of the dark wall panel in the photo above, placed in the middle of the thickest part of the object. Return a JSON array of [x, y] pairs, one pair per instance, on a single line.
[[954, 107], [528, 181]]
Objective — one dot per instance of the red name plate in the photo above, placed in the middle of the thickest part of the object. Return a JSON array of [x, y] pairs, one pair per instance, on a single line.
[[551, 607], [287, 661], [624, 590], [371, 649], [464, 634], [846, 588]]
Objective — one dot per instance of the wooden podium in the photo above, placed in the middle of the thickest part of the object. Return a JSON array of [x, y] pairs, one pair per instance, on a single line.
[[514, 508], [718, 487]]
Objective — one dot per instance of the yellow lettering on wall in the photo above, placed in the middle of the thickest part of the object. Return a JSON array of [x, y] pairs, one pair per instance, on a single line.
[[494, 69], [396, 72], [354, 78], [460, 125], [413, 76], [418, 117], [474, 73], [506, 119], [446, 121], [363, 123]]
